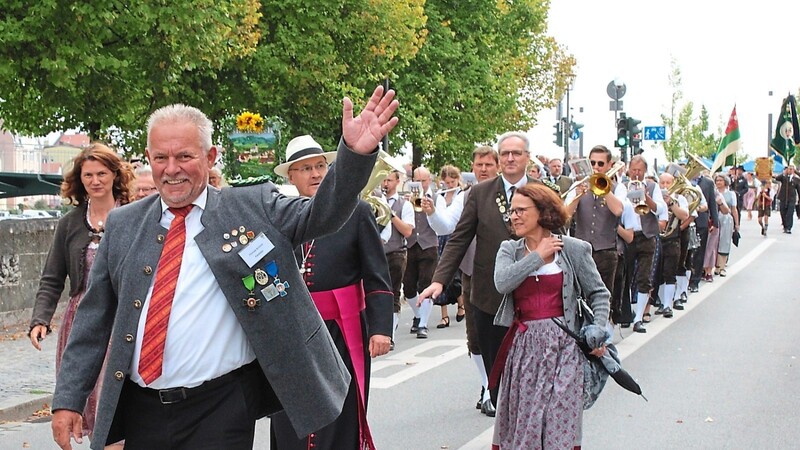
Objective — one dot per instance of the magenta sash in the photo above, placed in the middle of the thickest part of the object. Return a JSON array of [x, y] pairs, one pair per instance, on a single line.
[[344, 305]]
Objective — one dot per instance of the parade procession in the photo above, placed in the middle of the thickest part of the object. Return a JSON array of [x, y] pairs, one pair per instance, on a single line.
[[258, 225]]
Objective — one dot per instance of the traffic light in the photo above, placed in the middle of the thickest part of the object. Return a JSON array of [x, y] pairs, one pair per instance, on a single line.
[[559, 134], [622, 132], [635, 134]]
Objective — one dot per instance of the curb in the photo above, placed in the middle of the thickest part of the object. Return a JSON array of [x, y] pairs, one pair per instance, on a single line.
[[24, 409]]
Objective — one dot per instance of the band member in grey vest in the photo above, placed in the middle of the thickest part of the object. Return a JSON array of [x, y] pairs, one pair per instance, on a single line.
[[596, 218], [484, 166], [486, 218], [645, 228], [423, 255], [671, 264], [400, 227]]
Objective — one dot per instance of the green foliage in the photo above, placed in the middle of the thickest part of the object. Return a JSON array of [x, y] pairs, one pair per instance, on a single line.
[[686, 133], [486, 68]]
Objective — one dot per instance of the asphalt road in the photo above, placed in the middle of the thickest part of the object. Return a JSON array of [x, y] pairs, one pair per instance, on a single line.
[[720, 375]]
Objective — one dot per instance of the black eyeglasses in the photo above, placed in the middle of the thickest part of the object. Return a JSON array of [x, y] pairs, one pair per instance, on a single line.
[[597, 163]]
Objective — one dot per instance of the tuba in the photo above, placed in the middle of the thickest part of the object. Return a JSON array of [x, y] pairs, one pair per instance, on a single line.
[[695, 166], [383, 167]]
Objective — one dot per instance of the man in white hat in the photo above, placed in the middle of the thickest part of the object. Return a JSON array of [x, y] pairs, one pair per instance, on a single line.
[[348, 277]]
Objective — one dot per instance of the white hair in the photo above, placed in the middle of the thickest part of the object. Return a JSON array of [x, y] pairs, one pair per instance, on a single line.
[[516, 134], [143, 170], [182, 113]]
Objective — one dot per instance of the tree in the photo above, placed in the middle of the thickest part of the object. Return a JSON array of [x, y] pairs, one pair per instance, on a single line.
[[95, 64], [686, 134], [485, 68]]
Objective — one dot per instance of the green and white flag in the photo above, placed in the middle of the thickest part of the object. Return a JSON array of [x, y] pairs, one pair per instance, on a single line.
[[730, 143]]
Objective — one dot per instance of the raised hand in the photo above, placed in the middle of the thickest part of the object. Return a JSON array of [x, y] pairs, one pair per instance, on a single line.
[[364, 132]]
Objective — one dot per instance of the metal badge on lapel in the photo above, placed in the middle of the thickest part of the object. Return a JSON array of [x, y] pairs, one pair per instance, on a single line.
[[261, 277]]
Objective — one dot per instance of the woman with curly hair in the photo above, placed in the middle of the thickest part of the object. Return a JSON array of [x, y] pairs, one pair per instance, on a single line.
[[98, 181], [541, 395]]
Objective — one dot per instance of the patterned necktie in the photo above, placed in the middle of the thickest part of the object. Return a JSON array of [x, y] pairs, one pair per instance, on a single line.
[[151, 358]]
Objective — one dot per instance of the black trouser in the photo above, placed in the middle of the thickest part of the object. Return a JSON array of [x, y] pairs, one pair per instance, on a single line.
[[490, 336], [397, 266], [642, 250], [220, 413], [670, 259], [621, 296], [787, 215], [697, 257], [606, 262], [684, 263], [420, 265]]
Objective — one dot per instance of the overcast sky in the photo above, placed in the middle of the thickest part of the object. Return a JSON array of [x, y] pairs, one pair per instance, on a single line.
[[728, 53]]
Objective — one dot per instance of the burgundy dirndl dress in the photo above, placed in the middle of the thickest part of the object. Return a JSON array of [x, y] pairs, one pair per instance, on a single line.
[[540, 400]]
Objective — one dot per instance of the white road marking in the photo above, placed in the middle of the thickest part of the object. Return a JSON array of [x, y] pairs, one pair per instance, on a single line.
[[413, 363]]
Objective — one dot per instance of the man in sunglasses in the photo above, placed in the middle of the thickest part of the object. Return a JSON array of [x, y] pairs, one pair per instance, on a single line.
[[596, 219]]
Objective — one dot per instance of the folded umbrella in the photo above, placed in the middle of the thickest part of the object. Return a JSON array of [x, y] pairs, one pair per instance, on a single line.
[[609, 361]]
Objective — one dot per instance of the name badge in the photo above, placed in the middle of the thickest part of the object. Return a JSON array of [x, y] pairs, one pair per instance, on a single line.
[[256, 249]]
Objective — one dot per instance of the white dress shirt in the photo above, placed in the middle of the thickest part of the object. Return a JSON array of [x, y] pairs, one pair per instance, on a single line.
[[204, 338], [406, 215], [444, 220]]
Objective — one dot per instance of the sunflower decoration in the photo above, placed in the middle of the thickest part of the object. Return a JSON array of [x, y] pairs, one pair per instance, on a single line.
[[255, 140]]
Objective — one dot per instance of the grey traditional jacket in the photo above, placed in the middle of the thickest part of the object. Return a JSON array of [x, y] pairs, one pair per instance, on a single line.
[[580, 278], [288, 336]]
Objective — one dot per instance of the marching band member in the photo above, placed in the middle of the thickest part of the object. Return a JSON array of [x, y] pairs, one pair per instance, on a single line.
[[678, 211]]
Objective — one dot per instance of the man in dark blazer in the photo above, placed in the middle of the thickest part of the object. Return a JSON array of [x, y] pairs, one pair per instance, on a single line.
[[556, 175], [485, 217], [706, 220], [243, 337], [788, 193]]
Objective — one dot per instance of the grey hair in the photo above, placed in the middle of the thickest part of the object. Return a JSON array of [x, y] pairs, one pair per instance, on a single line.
[[516, 134], [182, 113], [639, 159], [143, 170]]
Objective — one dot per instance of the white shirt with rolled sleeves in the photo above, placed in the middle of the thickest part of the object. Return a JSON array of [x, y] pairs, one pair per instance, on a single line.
[[406, 216]]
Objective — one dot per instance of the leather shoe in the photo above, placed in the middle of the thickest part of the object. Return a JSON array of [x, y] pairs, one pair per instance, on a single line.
[[414, 325], [488, 408], [668, 312], [693, 289], [638, 327], [625, 325], [391, 344], [480, 399], [422, 333], [684, 297], [678, 306]]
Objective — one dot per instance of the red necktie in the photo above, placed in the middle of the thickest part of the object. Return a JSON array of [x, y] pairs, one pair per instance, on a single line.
[[151, 358]]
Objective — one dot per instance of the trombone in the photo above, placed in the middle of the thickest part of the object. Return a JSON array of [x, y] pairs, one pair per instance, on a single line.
[[599, 183]]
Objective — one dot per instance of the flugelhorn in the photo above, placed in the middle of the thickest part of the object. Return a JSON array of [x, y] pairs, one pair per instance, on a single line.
[[636, 194]]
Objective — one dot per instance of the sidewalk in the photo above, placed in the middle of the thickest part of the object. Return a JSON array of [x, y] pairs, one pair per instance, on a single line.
[[27, 377]]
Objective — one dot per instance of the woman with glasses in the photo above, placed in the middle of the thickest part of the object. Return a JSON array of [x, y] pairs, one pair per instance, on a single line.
[[98, 182], [540, 367]]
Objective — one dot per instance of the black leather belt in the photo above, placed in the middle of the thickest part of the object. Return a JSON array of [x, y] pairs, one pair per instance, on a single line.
[[179, 394]]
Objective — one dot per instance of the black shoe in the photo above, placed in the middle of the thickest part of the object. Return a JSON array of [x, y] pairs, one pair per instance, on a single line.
[[422, 333], [660, 310], [677, 306], [414, 325], [668, 312], [488, 408], [625, 325], [638, 327], [788, 231], [684, 298], [391, 344], [444, 323], [480, 399], [693, 289], [763, 231]]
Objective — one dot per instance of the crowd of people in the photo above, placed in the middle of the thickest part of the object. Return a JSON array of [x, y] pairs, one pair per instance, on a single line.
[[302, 292]]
